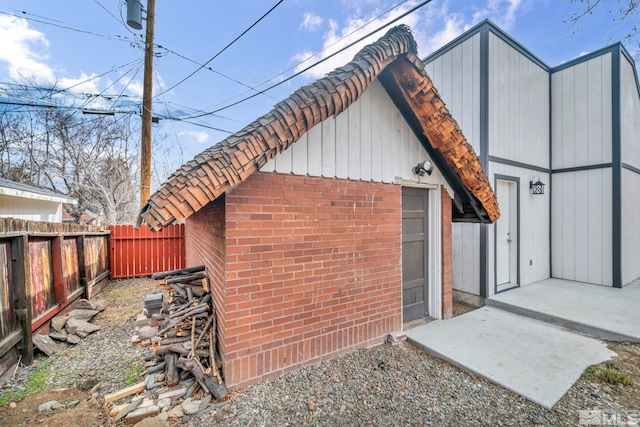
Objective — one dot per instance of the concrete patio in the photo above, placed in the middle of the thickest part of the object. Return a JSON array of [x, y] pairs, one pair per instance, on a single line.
[[526, 339]]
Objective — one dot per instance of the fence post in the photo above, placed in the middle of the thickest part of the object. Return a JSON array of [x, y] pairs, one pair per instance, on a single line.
[[82, 267], [60, 288], [23, 293]]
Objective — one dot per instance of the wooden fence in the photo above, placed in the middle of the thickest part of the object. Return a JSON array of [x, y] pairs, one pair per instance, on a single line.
[[44, 267], [136, 253]]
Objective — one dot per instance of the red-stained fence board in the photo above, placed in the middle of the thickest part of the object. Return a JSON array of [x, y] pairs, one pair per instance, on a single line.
[[139, 253]]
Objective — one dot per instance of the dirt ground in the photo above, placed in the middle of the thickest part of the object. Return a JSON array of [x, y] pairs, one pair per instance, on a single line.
[[126, 300]]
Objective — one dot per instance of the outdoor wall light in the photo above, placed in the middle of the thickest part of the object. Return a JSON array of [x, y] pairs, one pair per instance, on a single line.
[[421, 168], [536, 186]]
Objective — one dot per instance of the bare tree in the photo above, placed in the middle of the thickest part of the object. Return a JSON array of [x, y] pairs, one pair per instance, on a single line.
[[91, 158], [623, 13]]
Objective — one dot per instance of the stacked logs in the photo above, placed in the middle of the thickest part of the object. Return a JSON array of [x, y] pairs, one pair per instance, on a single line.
[[185, 344]]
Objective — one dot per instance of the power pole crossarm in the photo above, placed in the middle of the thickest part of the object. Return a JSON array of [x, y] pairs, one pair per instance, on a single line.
[[147, 95]]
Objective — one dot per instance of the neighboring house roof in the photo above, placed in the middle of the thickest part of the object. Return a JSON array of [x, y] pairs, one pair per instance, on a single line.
[[18, 189], [394, 59]]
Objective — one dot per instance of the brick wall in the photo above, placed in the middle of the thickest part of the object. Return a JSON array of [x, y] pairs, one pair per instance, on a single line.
[[447, 255], [312, 271], [205, 245]]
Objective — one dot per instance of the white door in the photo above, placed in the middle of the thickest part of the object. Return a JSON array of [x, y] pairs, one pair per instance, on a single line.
[[503, 234]]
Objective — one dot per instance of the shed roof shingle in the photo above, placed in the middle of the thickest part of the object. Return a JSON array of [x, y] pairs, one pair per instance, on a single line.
[[233, 160]]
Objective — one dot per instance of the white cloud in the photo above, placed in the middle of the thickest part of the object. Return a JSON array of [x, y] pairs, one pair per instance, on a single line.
[[433, 25], [311, 21], [23, 50], [199, 136]]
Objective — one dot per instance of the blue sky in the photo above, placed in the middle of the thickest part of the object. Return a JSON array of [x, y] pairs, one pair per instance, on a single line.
[[97, 54]]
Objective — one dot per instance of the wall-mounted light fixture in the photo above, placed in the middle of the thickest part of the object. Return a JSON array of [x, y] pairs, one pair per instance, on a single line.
[[536, 186], [424, 167]]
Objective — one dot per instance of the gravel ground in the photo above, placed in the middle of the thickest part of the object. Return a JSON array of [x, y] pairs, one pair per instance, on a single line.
[[381, 385]]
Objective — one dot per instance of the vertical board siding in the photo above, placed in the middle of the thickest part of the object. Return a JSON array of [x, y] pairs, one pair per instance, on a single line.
[[7, 312], [630, 115], [137, 253], [369, 141], [581, 122], [456, 74], [41, 276], [518, 106], [466, 258], [630, 226], [582, 226], [28, 209], [96, 256]]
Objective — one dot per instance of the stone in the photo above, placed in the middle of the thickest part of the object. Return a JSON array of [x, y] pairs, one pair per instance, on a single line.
[[176, 412], [117, 408], [190, 407], [160, 377], [163, 416], [13, 405], [44, 344], [73, 339], [73, 404], [85, 315], [141, 413], [58, 336], [142, 320], [83, 304], [147, 332], [87, 383], [163, 403], [204, 402], [99, 304], [127, 409], [156, 421], [50, 405], [82, 334], [58, 322], [173, 394], [79, 326]]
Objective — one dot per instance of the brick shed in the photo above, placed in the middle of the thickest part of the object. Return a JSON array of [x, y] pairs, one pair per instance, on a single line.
[[327, 245]]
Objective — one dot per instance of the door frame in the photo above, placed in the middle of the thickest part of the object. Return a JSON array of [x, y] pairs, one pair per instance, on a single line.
[[434, 246], [514, 212]]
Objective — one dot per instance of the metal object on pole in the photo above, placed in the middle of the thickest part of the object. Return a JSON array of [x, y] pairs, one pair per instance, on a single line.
[[134, 14], [147, 94]]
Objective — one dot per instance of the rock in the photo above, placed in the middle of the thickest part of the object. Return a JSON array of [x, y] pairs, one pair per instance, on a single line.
[[147, 332], [13, 405], [594, 394], [87, 383], [99, 304], [176, 412], [78, 326], [73, 339], [149, 381], [163, 403], [156, 421], [204, 402], [128, 408], [58, 322], [47, 406], [173, 394], [190, 407], [84, 304], [160, 377], [142, 320], [58, 336], [85, 315], [73, 404], [44, 344], [163, 416], [312, 406], [95, 388]]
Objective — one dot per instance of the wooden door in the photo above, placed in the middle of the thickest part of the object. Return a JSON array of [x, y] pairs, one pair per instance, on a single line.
[[414, 254]]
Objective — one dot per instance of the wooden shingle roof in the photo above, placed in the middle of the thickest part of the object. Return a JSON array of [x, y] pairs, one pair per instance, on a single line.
[[233, 160]]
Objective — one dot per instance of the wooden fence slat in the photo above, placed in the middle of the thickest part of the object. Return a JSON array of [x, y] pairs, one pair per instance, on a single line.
[[139, 253]]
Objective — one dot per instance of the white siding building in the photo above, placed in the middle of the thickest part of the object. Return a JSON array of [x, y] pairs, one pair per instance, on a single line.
[[574, 127], [23, 201]]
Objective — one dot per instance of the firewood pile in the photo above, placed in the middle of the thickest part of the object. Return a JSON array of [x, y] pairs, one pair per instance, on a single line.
[[179, 327]]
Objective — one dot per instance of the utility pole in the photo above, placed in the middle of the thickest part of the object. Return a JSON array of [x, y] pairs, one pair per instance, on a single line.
[[147, 94]]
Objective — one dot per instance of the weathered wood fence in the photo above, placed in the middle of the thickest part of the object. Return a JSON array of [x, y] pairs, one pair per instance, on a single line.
[[137, 253], [44, 267]]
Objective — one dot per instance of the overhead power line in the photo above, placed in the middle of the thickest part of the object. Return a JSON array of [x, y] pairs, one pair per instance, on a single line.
[[223, 49], [413, 9]]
